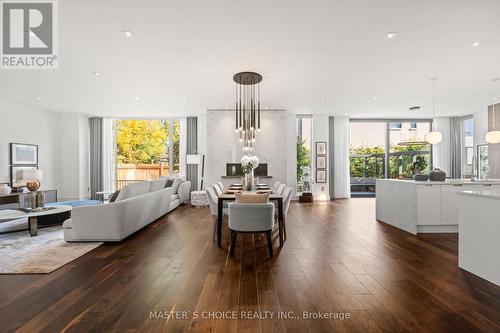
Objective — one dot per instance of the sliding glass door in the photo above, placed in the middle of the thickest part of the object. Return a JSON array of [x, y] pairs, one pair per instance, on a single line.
[[146, 149], [386, 148]]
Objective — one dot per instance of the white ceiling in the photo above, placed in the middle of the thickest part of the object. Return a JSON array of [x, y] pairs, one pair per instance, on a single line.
[[304, 50]]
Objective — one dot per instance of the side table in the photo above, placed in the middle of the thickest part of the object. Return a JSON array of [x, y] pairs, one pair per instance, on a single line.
[[199, 198]]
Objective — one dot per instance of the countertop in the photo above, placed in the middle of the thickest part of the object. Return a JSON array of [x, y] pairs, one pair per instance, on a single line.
[[493, 194], [446, 182]]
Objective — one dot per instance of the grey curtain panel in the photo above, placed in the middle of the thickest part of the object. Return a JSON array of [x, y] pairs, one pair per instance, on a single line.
[[192, 148], [456, 147], [96, 132]]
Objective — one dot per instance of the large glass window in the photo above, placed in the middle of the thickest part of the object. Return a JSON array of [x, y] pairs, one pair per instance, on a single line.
[[467, 146], [367, 156], [386, 149], [304, 146], [146, 149], [409, 152]]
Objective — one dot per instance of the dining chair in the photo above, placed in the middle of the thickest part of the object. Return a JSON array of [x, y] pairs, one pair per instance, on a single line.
[[221, 186], [213, 203], [251, 218], [287, 197], [280, 189], [217, 189], [275, 187]]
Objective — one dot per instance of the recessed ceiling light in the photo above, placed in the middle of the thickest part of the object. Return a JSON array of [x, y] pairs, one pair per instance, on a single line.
[[391, 35], [476, 44], [136, 98], [127, 33], [374, 98], [38, 98], [96, 73], [322, 98]]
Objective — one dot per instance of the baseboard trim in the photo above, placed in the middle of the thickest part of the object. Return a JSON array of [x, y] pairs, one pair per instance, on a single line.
[[424, 229]]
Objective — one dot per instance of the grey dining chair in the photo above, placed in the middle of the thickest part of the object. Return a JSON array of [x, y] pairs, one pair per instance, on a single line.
[[213, 203], [275, 186], [251, 218]]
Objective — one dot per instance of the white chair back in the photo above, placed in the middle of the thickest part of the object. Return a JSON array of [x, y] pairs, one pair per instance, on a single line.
[[287, 197], [212, 201], [280, 189], [221, 186], [275, 187], [251, 217], [218, 190]]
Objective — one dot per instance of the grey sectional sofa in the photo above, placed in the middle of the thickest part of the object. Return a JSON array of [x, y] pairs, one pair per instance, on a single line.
[[136, 206]]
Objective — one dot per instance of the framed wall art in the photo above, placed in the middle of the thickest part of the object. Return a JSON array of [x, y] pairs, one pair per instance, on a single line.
[[23, 154]]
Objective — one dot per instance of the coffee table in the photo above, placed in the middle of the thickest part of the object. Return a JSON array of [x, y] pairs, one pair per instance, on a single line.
[[13, 214]]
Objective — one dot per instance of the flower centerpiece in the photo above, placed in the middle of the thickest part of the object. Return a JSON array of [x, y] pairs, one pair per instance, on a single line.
[[248, 164]]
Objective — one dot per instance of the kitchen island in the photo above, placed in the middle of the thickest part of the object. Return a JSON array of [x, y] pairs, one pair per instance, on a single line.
[[424, 206], [479, 232]]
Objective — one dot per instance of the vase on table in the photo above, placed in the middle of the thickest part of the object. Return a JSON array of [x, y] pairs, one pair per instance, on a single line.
[[5, 189], [249, 181]]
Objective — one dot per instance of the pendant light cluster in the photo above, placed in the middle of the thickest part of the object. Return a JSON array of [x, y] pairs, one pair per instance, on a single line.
[[493, 136], [247, 107], [434, 135]]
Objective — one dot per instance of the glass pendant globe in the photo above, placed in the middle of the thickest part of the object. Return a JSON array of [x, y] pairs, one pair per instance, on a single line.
[[434, 137], [493, 137]]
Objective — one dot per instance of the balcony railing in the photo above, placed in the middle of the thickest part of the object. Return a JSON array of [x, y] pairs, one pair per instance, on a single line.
[[363, 177]]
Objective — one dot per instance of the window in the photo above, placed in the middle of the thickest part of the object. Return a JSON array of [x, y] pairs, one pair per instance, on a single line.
[[367, 155], [146, 149], [386, 149], [395, 126], [304, 146], [467, 140]]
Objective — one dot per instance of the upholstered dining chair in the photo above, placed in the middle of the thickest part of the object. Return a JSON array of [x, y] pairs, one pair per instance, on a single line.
[[221, 186], [287, 197], [251, 218], [217, 189], [280, 189], [275, 186], [213, 203]]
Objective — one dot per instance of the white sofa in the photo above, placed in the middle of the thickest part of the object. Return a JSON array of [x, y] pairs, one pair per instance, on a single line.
[[136, 206]]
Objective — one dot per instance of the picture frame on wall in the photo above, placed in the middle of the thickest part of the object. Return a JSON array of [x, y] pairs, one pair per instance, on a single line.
[[483, 167], [23, 154], [320, 162], [14, 171], [320, 176], [321, 148]]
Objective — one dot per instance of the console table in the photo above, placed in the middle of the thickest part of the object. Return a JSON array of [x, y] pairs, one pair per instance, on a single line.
[[15, 199]]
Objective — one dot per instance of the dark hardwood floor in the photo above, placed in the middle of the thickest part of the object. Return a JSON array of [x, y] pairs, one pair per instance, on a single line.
[[337, 259]]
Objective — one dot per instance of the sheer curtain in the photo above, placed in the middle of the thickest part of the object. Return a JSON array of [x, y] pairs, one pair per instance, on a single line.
[[341, 185], [455, 148], [96, 154], [108, 156]]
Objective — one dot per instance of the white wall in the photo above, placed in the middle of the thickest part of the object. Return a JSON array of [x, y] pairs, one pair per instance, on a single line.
[[320, 133], [62, 141], [223, 146], [26, 124]]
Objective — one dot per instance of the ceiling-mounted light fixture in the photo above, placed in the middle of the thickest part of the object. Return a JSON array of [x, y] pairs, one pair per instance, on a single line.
[[493, 136], [247, 107], [434, 136]]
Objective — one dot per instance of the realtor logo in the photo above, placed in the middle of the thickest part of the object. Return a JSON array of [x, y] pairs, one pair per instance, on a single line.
[[28, 34]]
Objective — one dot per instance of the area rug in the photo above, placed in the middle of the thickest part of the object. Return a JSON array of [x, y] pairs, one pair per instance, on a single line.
[[22, 254]]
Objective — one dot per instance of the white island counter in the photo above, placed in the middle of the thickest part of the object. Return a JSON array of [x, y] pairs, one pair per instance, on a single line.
[[419, 207], [479, 233]]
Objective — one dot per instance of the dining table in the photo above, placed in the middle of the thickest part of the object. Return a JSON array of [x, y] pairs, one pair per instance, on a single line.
[[229, 195]]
